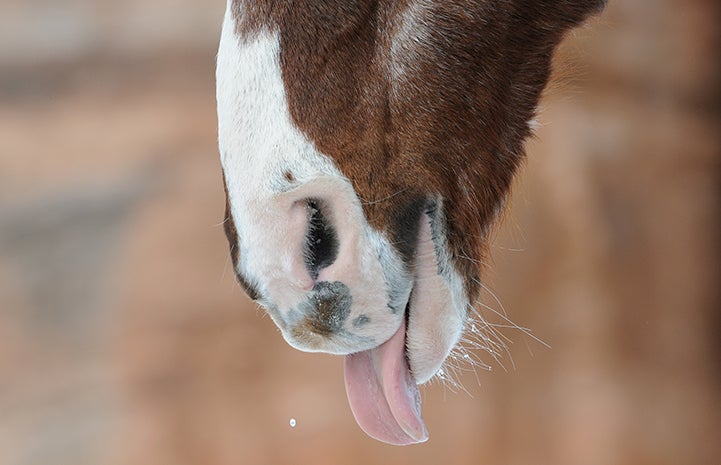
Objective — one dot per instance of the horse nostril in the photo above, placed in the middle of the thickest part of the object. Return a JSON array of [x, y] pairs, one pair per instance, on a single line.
[[321, 241]]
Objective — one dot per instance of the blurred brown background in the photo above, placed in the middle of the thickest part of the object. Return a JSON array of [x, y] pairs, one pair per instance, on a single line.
[[124, 339]]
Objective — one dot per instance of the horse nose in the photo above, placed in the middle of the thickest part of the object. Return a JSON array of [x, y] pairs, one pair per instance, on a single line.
[[331, 254], [318, 266], [307, 249]]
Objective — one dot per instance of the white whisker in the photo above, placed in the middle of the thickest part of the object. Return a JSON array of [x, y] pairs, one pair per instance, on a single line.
[[513, 325], [495, 297], [482, 336], [217, 225], [227, 259], [372, 202]]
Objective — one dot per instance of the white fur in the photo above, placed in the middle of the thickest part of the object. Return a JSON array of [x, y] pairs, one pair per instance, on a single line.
[[411, 37]]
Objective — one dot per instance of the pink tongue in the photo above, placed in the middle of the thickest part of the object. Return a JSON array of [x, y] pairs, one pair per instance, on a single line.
[[383, 395]]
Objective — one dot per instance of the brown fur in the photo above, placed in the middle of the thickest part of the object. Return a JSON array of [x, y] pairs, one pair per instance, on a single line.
[[454, 126]]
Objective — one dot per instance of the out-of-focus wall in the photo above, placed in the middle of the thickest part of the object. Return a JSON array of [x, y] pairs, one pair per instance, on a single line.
[[34, 32], [125, 340]]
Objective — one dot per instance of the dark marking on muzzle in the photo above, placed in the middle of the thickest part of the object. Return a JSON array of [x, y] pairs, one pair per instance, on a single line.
[[405, 227], [434, 210], [327, 307], [361, 320]]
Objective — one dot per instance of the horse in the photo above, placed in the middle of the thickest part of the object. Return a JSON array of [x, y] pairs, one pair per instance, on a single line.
[[367, 149]]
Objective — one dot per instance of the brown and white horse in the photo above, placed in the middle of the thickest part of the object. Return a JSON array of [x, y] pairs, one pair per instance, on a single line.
[[367, 147]]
